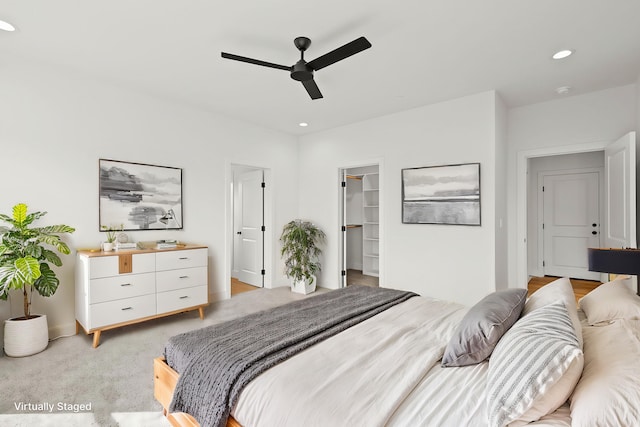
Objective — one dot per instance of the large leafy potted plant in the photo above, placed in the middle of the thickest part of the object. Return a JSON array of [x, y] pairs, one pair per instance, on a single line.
[[301, 251], [25, 255]]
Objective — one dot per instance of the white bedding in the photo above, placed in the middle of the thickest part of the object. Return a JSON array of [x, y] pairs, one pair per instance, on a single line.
[[398, 381]]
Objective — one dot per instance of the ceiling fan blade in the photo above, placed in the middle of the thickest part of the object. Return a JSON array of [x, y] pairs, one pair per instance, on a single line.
[[351, 48], [312, 89], [255, 61]]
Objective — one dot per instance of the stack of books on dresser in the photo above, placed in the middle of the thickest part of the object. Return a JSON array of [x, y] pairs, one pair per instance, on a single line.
[[126, 245], [166, 244]]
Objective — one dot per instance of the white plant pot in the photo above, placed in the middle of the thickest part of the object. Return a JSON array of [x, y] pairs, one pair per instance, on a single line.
[[25, 337], [303, 286], [107, 246]]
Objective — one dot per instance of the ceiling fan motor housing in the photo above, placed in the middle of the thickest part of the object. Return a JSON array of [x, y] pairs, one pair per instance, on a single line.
[[301, 71]]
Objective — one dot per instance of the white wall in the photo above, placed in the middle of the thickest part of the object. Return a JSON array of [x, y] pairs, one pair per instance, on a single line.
[[451, 262], [54, 126], [502, 249], [582, 119]]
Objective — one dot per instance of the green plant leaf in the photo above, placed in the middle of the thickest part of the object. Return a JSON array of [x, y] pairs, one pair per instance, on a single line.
[[28, 269], [19, 213], [52, 257], [47, 283], [60, 228]]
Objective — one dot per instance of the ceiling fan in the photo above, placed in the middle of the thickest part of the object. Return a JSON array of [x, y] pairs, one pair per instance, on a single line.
[[302, 70]]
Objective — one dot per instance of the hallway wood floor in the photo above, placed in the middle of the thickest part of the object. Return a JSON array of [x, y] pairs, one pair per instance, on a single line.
[[238, 287], [580, 287]]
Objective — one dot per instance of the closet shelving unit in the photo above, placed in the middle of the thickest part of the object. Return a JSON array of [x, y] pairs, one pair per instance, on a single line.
[[371, 224]]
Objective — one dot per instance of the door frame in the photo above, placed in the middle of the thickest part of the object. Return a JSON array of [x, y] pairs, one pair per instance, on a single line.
[[381, 212], [540, 203], [522, 193], [229, 233]]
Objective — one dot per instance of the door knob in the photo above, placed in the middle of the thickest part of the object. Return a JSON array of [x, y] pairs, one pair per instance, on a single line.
[[594, 225], [238, 232], [594, 232]]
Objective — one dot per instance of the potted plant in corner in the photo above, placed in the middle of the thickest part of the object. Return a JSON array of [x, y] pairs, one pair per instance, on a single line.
[[300, 249], [25, 255]]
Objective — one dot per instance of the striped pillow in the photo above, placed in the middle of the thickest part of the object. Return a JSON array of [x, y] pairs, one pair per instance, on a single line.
[[525, 379]]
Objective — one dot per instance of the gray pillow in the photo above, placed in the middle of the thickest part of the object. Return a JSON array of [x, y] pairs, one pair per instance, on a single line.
[[483, 326]]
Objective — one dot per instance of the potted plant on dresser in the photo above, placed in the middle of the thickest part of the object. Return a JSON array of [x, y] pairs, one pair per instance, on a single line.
[[301, 251], [25, 255]]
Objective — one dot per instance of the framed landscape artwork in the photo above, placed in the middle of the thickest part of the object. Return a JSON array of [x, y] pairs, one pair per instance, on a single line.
[[136, 196], [447, 194]]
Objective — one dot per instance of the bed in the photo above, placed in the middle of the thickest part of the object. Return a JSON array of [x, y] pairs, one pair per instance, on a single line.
[[507, 360]]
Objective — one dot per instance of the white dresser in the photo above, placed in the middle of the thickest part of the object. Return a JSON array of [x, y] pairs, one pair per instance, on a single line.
[[120, 288]]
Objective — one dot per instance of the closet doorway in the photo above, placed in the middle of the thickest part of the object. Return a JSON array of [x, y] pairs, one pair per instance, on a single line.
[[247, 272], [360, 225]]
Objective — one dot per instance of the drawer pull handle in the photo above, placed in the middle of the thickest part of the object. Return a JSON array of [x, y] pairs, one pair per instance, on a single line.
[[184, 277], [183, 257], [126, 284], [183, 297], [127, 308]]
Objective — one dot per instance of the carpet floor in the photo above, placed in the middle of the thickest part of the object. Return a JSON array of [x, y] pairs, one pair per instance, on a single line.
[[73, 384]]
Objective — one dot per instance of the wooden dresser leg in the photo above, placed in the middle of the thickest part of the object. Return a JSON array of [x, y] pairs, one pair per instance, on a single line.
[[96, 339], [201, 311], [77, 327]]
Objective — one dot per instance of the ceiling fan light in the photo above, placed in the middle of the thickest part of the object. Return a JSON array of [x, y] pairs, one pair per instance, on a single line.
[[561, 54], [6, 26]]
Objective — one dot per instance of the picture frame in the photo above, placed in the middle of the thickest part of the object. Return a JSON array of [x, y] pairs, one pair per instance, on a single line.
[[445, 194], [139, 196]]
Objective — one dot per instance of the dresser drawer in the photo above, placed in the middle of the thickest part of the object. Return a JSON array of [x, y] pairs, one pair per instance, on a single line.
[[179, 279], [106, 266], [121, 287], [188, 258], [124, 310], [181, 298]]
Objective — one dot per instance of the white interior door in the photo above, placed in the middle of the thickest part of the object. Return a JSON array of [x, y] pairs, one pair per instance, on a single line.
[[343, 228], [249, 228], [571, 215], [620, 193]]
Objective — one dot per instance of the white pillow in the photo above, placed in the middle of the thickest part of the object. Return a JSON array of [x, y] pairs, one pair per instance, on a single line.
[[610, 301], [558, 290], [609, 390], [534, 368]]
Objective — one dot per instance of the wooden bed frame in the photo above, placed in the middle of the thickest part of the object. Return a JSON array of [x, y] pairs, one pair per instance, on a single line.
[[164, 383]]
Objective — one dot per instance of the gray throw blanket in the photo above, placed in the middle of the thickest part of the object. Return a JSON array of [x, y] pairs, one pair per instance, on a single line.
[[216, 362]]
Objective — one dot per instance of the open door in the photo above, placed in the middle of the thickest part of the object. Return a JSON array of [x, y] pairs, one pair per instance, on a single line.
[[250, 228], [343, 228], [620, 195]]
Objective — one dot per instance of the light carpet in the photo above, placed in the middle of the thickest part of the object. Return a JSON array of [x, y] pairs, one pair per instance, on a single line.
[[73, 384]]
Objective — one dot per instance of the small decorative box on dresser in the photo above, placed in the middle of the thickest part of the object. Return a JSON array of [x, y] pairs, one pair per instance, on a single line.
[[120, 288]]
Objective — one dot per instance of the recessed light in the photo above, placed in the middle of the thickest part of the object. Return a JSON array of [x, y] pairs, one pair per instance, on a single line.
[[561, 54], [563, 90], [303, 124], [6, 26]]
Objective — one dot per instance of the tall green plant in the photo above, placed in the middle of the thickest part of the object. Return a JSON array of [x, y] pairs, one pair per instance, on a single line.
[[25, 255], [300, 249]]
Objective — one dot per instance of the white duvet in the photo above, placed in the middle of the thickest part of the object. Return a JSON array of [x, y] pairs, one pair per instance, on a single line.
[[384, 371]]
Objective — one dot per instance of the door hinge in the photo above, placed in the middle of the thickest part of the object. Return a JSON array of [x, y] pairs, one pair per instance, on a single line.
[[263, 272], [263, 228], [543, 263], [344, 228], [344, 183], [543, 188], [343, 272], [543, 225], [263, 185]]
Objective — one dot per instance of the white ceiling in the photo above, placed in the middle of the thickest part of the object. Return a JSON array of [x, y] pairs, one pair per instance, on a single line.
[[423, 51]]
